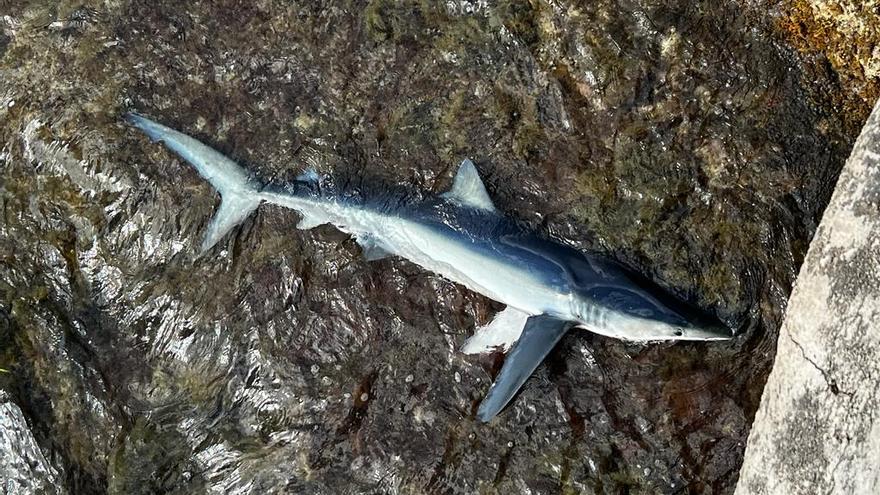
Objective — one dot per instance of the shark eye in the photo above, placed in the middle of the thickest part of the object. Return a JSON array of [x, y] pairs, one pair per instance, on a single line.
[[678, 333]]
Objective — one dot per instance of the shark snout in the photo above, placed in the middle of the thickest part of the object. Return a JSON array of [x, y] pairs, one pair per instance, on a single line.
[[704, 333]]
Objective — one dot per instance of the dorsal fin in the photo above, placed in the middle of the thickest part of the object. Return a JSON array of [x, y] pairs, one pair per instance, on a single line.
[[468, 189]]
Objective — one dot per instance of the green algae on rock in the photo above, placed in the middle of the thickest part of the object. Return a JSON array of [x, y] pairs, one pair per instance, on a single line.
[[840, 40]]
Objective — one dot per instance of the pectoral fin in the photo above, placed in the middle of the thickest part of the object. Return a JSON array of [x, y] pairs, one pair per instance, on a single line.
[[538, 338], [373, 249], [504, 329]]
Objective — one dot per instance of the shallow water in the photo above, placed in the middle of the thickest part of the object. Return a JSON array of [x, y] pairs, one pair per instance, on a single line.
[[677, 137]]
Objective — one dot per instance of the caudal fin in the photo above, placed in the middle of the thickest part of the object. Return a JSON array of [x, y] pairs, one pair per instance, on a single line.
[[238, 192]]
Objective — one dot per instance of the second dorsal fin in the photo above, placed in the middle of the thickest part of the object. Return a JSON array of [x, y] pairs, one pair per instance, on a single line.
[[468, 189]]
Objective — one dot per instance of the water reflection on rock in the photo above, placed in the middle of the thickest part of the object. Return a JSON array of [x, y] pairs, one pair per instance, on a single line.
[[677, 137]]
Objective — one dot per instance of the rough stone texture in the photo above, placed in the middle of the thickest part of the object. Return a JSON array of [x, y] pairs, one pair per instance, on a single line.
[[840, 37], [818, 426], [682, 137], [23, 467]]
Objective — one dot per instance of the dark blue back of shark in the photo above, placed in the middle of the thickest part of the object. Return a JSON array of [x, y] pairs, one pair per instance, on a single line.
[[599, 279]]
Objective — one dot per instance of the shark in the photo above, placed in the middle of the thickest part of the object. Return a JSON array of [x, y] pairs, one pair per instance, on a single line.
[[548, 286]]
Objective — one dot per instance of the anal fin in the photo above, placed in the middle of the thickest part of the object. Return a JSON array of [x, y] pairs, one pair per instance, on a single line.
[[538, 338]]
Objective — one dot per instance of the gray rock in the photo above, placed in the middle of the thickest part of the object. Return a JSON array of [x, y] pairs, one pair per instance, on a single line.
[[24, 469], [818, 427]]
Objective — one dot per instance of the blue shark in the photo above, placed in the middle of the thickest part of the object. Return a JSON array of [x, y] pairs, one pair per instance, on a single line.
[[549, 288]]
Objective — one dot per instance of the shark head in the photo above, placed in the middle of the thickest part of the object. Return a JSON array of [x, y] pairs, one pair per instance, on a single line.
[[643, 319], [689, 331], [627, 327]]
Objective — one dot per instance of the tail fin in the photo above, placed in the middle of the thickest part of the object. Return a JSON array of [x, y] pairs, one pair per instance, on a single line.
[[239, 193]]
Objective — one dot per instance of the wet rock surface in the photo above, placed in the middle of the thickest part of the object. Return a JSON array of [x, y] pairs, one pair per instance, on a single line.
[[817, 428], [24, 467], [681, 138], [838, 38]]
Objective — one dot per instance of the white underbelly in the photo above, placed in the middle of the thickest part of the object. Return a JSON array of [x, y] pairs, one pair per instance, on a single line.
[[494, 277]]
